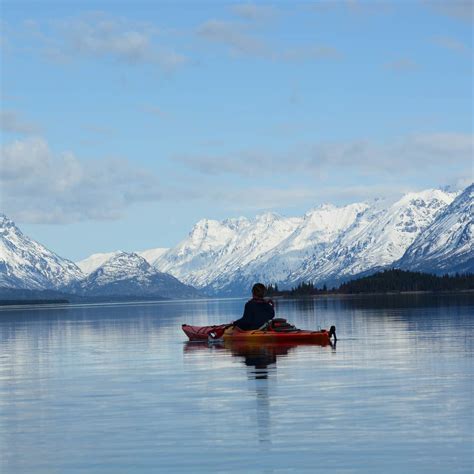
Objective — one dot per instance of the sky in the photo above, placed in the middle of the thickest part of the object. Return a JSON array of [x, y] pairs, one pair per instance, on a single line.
[[124, 123]]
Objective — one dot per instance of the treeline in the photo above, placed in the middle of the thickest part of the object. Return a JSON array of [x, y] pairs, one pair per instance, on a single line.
[[302, 289], [28, 302], [387, 281], [400, 280]]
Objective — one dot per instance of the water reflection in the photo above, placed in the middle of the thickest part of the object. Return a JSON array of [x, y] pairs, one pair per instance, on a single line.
[[260, 361], [393, 301], [112, 390], [260, 358]]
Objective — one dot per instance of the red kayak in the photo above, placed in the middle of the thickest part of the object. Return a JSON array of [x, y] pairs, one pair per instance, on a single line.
[[277, 330]]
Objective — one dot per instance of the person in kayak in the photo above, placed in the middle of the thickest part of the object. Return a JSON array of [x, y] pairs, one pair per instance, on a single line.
[[257, 310]]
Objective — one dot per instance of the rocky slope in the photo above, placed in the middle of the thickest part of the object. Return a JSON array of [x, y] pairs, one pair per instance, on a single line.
[[27, 264], [326, 245], [447, 245], [129, 274]]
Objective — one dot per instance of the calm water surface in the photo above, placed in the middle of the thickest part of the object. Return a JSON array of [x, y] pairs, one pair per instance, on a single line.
[[115, 389]]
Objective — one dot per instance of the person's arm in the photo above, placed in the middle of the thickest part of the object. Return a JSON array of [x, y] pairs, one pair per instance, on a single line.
[[272, 306]]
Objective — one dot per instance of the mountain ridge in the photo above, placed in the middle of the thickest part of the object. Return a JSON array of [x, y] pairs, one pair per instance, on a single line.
[[328, 243], [430, 229]]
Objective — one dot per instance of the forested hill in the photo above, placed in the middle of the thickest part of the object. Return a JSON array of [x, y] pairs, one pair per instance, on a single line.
[[400, 280], [393, 280]]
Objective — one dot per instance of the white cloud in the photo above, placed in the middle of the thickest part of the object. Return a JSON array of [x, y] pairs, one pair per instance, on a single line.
[[306, 53], [406, 156], [98, 35], [242, 39], [253, 12], [41, 186], [233, 35], [261, 198]]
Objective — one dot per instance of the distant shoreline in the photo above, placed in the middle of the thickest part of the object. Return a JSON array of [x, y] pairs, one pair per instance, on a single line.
[[380, 293], [31, 302], [8, 303]]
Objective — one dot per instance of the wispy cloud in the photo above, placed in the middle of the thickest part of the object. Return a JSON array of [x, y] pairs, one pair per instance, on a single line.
[[261, 198], [254, 12], [98, 35], [405, 156], [311, 52], [356, 7], [241, 38], [462, 10], [232, 34], [11, 121], [451, 44], [402, 65], [39, 185], [154, 110]]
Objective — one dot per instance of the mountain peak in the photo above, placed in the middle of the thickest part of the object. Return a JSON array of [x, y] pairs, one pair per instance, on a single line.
[[127, 273], [447, 245], [268, 217], [7, 223], [25, 263], [124, 262], [417, 197]]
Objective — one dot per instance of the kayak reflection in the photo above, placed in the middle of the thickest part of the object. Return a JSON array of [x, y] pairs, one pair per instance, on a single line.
[[260, 356], [260, 359]]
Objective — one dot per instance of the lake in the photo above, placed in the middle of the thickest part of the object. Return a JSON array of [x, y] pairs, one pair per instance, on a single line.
[[115, 389]]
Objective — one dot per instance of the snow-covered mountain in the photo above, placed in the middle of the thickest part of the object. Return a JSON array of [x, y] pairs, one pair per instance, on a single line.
[[377, 238], [308, 236], [94, 261], [27, 264], [447, 245], [152, 255], [327, 244], [431, 230], [214, 250], [129, 274]]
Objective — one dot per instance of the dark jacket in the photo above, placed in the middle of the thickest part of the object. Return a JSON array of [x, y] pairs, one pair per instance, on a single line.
[[256, 313]]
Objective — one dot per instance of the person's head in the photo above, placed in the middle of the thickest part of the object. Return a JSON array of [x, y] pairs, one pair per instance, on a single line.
[[258, 290]]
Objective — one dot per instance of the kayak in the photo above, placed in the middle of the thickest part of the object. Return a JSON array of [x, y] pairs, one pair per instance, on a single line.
[[275, 331]]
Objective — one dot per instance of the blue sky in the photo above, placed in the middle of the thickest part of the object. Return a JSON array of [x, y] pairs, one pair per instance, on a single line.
[[123, 123]]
